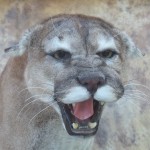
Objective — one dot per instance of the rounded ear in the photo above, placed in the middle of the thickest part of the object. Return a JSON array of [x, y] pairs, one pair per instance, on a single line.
[[22, 46], [131, 49]]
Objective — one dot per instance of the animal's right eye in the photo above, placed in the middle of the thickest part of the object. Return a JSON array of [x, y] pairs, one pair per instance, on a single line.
[[61, 55]]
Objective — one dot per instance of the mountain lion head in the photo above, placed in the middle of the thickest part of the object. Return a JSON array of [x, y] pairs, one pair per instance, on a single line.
[[77, 61]]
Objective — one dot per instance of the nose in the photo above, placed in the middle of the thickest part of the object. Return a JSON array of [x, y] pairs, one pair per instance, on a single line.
[[91, 81]]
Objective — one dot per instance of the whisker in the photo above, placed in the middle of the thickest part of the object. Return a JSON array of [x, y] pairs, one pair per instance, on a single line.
[[137, 96], [43, 93], [50, 104], [137, 92], [133, 95], [37, 114], [130, 81], [126, 98], [29, 88], [137, 84], [138, 107], [46, 83], [40, 95], [42, 111], [26, 106]]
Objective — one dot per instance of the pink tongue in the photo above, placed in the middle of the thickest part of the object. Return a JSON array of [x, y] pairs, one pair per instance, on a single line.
[[83, 110]]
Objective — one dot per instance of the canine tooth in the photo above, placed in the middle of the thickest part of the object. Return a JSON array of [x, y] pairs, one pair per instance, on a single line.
[[92, 125], [75, 125], [102, 103]]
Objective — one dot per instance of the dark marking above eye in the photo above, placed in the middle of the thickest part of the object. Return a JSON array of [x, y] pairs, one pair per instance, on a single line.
[[60, 37], [58, 23]]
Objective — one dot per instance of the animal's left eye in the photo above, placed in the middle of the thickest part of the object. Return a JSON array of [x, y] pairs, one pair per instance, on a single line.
[[107, 53]]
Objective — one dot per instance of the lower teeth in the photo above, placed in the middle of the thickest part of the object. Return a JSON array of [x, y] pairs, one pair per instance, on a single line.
[[92, 125], [75, 125]]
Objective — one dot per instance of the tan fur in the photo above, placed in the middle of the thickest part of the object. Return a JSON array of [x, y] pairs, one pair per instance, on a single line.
[[31, 72]]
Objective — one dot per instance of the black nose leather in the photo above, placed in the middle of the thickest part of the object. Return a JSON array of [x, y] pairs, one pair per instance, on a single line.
[[91, 81]]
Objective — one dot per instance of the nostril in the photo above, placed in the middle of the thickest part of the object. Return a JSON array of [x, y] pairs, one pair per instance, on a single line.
[[91, 82], [101, 81], [85, 84], [91, 85]]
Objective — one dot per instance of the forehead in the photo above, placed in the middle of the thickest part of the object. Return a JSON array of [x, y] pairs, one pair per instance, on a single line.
[[79, 33]]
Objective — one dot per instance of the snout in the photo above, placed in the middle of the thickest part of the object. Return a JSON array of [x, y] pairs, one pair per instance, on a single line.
[[91, 81], [82, 104]]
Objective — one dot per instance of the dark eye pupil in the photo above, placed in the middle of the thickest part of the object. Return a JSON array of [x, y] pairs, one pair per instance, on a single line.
[[60, 54], [107, 54]]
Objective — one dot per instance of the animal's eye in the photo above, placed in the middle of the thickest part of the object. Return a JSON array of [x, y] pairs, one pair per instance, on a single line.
[[61, 54], [107, 53]]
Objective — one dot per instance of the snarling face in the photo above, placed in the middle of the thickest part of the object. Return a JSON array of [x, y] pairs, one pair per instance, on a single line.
[[77, 62]]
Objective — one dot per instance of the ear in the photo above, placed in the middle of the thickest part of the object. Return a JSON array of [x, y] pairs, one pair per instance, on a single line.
[[21, 47], [130, 47], [24, 43], [11, 50]]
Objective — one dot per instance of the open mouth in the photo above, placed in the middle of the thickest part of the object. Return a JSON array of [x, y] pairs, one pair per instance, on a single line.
[[81, 118]]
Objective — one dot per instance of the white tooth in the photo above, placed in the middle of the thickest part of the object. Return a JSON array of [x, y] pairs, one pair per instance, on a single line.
[[75, 125], [92, 125], [102, 103]]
